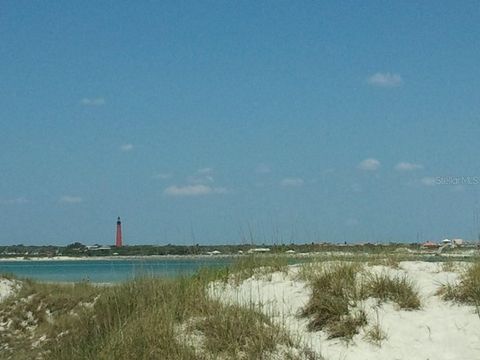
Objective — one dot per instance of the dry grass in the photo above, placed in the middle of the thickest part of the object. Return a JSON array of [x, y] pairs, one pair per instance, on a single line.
[[254, 265], [467, 289], [390, 260], [334, 294], [32, 315], [228, 333], [375, 335], [339, 288], [398, 289], [147, 318]]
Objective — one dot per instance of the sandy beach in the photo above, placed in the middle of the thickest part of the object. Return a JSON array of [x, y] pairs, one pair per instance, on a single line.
[[7, 288], [440, 330]]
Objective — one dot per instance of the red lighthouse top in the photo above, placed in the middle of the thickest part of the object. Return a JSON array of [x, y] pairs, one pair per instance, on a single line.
[[118, 238]]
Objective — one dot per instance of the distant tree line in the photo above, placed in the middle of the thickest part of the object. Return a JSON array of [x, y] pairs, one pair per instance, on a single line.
[[79, 249]]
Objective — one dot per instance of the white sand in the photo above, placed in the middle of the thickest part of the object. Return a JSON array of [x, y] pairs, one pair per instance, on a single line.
[[439, 331], [7, 288]]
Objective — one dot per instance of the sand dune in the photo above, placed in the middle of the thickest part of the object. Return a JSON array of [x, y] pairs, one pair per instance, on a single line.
[[7, 288], [440, 330]]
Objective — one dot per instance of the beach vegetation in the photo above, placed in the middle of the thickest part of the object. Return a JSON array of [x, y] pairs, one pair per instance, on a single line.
[[375, 334], [334, 294], [466, 289], [145, 318], [338, 290], [31, 316], [398, 289], [251, 265]]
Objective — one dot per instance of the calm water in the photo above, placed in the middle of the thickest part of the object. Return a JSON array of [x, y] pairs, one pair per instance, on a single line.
[[106, 270]]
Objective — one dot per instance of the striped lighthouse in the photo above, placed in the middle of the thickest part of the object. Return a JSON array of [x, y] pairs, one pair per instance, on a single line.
[[118, 238]]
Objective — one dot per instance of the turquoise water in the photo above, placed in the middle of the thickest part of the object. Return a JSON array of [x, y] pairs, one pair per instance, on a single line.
[[106, 271]]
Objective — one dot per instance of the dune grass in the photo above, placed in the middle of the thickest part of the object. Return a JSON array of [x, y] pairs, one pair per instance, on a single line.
[[375, 335], [252, 265], [146, 318], [31, 317], [151, 318], [334, 294], [398, 289], [337, 292], [467, 289]]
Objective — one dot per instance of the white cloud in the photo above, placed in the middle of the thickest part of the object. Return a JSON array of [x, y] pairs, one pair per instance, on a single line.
[[93, 101], [193, 190], [406, 166], [126, 147], [386, 80], [163, 176], [19, 200], [292, 182], [428, 181], [369, 164], [263, 169], [68, 199], [202, 176]]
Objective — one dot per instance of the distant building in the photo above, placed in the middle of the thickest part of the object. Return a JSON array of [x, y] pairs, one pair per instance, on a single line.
[[214, 252], [258, 250], [99, 247], [430, 245], [458, 242]]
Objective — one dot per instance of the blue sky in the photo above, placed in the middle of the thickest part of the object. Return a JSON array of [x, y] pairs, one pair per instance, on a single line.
[[214, 122]]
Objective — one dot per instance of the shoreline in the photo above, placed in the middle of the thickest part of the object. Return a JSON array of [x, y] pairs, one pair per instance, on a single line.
[[471, 253], [116, 257]]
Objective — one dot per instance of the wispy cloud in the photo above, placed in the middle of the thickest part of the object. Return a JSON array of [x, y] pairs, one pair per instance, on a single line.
[[99, 101], [198, 184], [386, 80], [68, 199], [193, 190], [406, 166], [428, 181], [369, 164], [19, 200], [263, 169], [202, 176], [292, 182], [126, 147]]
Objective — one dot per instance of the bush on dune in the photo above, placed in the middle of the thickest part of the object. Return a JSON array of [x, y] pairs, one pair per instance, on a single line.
[[338, 289]]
